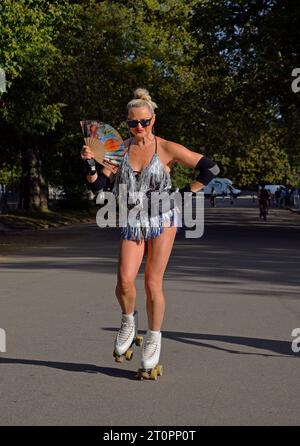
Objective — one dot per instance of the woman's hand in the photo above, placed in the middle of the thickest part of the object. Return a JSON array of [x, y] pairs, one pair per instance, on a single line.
[[86, 153], [111, 166]]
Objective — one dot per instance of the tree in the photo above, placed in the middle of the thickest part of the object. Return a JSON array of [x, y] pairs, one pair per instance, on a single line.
[[32, 107], [256, 45]]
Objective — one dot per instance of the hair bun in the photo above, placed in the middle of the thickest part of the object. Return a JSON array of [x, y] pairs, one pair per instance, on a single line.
[[142, 98], [142, 93]]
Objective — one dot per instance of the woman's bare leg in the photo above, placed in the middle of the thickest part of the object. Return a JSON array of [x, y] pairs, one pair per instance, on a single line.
[[130, 258], [159, 250]]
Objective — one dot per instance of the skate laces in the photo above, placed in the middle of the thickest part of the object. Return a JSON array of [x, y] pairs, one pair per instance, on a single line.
[[150, 347], [124, 332]]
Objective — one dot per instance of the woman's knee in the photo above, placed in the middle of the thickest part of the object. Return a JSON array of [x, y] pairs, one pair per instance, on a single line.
[[125, 283], [153, 283]]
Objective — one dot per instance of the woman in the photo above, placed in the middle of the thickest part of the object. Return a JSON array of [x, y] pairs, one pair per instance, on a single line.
[[146, 167]]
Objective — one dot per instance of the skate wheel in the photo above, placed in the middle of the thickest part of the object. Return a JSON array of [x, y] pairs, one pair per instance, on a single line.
[[128, 355], [139, 341], [139, 375], [118, 358], [153, 374], [159, 370]]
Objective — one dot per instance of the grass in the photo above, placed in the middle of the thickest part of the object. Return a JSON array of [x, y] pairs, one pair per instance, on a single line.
[[19, 219]]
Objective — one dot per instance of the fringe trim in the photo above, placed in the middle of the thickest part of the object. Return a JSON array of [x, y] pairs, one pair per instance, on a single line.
[[149, 231], [153, 177]]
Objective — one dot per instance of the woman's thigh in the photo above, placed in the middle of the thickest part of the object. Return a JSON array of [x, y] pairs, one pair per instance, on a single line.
[[131, 255], [159, 250]]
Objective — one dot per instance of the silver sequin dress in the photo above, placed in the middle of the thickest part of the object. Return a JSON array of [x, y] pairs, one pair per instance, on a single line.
[[153, 177]]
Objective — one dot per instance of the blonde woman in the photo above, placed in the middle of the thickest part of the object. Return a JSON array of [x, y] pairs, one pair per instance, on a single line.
[[146, 168]]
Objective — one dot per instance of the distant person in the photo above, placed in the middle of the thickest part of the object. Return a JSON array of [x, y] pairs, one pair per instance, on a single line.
[[270, 199], [293, 196], [286, 197], [277, 197], [263, 200], [4, 208], [213, 196]]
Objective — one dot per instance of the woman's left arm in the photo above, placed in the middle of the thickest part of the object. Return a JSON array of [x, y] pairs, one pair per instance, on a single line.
[[207, 168]]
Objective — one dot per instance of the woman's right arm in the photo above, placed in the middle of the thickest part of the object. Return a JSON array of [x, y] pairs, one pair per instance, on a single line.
[[97, 181]]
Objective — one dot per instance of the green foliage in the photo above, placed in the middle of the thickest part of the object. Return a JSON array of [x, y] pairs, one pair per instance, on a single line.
[[181, 175], [252, 48], [263, 161], [220, 71]]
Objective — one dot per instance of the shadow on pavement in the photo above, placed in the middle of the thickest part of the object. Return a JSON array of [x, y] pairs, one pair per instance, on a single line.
[[252, 254], [282, 348], [73, 367]]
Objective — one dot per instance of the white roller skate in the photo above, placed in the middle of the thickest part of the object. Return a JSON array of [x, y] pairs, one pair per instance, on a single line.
[[126, 337], [150, 356]]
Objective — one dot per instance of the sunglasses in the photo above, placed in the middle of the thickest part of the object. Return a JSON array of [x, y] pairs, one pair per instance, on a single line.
[[135, 122]]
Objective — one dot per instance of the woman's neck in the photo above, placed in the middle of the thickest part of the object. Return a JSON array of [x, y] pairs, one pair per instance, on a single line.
[[143, 142]]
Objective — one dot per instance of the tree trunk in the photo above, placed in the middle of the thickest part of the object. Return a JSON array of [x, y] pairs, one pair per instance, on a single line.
[[4, 208], [34, 190]]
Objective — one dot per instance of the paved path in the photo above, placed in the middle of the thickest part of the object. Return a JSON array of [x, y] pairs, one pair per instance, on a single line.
[[233, 299]]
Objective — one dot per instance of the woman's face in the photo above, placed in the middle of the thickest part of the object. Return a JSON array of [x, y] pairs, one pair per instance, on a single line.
[[139, 113]]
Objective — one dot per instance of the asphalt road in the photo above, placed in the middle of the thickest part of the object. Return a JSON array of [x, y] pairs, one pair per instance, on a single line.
[[233, 299]]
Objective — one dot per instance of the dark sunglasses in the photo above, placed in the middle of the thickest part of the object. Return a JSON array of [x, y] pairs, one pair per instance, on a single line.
[[135, 122]]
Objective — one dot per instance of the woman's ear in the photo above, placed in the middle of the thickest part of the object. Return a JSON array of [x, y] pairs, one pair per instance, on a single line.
[[153, 122]]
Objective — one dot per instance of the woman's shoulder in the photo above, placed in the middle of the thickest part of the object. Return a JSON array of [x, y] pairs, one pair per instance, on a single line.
[[165, 151], [166, 145], [162, 142]]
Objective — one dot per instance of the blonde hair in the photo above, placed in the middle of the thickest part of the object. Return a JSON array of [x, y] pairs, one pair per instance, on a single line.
[[142, 98]]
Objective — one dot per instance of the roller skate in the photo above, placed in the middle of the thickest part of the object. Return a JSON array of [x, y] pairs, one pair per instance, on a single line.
[[126, 337], [150, 356]]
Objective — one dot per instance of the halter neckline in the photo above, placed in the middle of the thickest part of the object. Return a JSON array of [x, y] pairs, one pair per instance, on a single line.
[[145, 168], [141, 171]]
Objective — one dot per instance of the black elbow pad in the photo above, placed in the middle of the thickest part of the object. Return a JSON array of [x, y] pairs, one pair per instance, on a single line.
[[208, 170], [102, 183]]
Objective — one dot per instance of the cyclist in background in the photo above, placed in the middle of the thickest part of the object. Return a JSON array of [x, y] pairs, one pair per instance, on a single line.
[[263, 199]]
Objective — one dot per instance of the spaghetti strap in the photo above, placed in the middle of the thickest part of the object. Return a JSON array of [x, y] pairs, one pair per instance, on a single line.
[[137, 172]]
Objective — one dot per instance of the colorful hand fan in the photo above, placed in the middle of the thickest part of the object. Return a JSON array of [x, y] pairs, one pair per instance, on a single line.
[[104, 140]]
